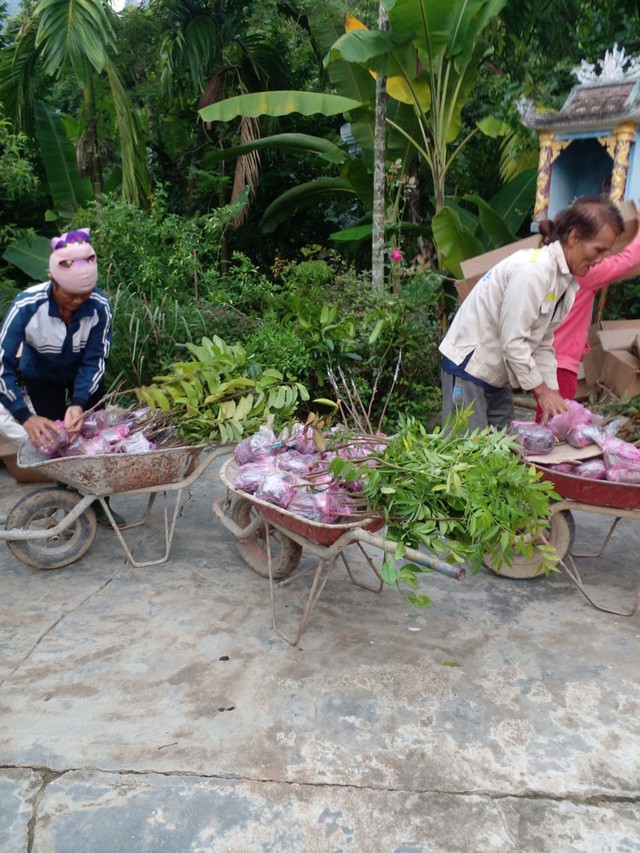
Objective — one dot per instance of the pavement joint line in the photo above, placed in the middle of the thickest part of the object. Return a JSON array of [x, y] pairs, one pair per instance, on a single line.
[[599, 800], [52, 627]]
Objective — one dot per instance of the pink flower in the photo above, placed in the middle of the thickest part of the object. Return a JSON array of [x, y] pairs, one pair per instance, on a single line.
[[396, 255]]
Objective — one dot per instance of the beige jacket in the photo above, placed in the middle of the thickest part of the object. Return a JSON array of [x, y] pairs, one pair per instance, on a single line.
[[509, 318]]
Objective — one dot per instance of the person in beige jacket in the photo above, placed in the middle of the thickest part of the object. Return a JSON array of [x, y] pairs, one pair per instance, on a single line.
[[502, 335]]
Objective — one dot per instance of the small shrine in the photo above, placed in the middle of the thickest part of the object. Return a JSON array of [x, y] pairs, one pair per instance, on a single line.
[[591, 145]]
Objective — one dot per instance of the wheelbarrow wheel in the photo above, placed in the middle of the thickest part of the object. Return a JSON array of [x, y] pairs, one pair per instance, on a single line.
[[559, 533], [43, 509], [285, 553]]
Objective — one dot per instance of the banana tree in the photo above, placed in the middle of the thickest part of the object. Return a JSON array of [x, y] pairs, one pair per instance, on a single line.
[[433, 52], [62, 37], [69, 191], [353, 97], [430, 57], [213, 50]]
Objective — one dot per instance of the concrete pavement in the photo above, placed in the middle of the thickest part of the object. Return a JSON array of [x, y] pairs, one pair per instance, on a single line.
[[155, 709]]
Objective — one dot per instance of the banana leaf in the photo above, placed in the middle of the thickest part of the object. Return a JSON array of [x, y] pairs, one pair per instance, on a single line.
[[300, 197], [68, 190], [455, 243], [514, 201], [30, 256], [491, 222], [302, 142], [279, 103]]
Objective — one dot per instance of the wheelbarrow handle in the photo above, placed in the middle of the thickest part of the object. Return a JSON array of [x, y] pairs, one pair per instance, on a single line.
[[247, 532], [19, 534], [458, 573]]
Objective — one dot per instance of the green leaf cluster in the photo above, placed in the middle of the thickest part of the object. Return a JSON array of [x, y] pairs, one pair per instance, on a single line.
[[463, 496], [219, 395]]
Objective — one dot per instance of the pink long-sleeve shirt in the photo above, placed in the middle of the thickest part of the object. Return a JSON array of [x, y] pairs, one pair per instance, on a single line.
[[570, 338]]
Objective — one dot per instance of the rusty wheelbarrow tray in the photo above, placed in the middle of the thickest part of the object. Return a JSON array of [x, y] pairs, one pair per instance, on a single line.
[[271, 540], [55, 526], [602, 497]]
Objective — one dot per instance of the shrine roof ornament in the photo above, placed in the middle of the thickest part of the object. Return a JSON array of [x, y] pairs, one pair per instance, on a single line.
[[612, 67], [601, 100]]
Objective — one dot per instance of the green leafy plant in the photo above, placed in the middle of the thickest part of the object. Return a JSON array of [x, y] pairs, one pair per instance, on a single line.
[[397, 337], [274, 344], [220, 395], [464, 496]]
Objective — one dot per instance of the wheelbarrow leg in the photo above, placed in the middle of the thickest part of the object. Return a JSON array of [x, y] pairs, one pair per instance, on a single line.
[[169, 529], [575, 577], [607, 539], [317, 586], [371, 588]]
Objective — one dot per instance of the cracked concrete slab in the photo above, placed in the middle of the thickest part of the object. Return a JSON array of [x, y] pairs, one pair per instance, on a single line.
[[175, 814], [156, 709]]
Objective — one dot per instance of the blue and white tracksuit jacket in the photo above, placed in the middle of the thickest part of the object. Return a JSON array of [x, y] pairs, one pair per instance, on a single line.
[[74, 355]]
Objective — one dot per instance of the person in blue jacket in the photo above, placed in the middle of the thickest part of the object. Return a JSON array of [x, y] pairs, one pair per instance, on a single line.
[[55, 342]]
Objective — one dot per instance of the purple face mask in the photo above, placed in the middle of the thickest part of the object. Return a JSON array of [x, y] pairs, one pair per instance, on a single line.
[[73, 264]]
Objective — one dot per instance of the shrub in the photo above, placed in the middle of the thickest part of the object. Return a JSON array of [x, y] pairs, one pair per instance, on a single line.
[[276, 345]]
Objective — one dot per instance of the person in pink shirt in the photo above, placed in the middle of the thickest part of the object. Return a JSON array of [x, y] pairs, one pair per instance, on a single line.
[[570, 338]]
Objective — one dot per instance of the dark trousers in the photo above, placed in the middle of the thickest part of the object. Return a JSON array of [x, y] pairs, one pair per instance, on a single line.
[[52, 399]]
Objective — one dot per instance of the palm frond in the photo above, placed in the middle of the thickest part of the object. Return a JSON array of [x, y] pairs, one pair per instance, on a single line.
[[78, 33], [135, 173]]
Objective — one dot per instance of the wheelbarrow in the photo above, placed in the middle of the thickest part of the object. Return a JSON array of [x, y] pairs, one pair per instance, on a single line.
[[54, 526], [271, 540], [615, 500]]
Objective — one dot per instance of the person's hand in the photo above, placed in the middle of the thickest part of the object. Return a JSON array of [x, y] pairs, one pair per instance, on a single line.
[[550, 402], [41, 431], [73, 420]]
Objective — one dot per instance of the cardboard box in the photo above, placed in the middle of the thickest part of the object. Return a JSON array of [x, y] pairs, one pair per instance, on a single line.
[[612, 363], [593, 362], [474, 268], [564, 452], [618, 339], [465, 287], [21, 475], [621, 373], [583, 391], [479, 265], [610, 325]]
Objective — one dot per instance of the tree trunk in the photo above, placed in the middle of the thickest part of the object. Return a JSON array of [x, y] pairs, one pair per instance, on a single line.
[[379, 170], [92, 165]]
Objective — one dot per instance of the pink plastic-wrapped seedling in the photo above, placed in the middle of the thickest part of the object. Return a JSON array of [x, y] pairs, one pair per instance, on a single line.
[[592, 469], [576, 414], [55, 445], [255, 447], [532, 437], [619, 453], [620, 474], [251, 475], [278, 488]]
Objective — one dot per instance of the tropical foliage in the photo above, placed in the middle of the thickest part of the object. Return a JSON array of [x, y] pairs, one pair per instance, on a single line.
[[75, 42]]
